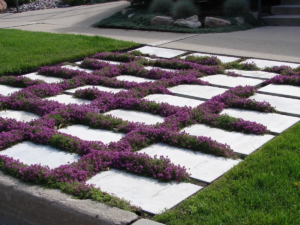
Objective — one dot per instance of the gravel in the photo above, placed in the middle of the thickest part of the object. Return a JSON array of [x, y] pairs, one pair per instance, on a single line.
[[38, 5]]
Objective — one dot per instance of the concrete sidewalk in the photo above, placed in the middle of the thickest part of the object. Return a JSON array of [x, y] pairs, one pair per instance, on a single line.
[[275, 43]]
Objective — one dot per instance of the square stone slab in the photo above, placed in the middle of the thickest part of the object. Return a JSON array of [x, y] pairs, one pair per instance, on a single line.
[[49, 80], [281, 90], [230, 81], [284, 105], [255, 74], [135, 116], [110, 62], [224, 59], [276, 123], [88, 134], [68, 99], [239, 142], [149, 194], [154, 67], [30, 154], [173, 100], [134, 79], [267, 63], [201, 92], [7, 90], [77, 68], [160, 52], [201, 166], [100, 88], [18, 115]]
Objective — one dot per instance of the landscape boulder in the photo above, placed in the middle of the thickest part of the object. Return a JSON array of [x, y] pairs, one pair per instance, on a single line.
[[124, 11], [239, 20], [191, 22], [162, 20], [3, 5], [215, 22], [130, 15]]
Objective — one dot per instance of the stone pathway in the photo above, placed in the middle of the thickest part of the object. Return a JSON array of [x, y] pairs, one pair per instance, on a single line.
[[148, 193]]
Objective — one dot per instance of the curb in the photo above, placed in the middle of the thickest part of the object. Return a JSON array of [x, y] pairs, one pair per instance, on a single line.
[[36, 205]]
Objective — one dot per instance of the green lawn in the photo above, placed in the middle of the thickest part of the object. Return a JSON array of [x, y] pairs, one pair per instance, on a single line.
[[21, 51], [261, 190]]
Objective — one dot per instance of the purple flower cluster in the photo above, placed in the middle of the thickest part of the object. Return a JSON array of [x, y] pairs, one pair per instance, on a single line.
[[283, 70], [284, 79]]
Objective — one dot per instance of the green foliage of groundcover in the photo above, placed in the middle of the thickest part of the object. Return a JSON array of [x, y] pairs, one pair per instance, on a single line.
[[22, 51], [141, 21], [261, 190]]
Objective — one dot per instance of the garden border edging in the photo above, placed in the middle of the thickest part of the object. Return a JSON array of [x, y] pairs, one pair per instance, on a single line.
[[37, 205]]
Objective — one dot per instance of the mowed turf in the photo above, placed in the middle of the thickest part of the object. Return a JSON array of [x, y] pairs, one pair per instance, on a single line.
[[264, 189], [21, 51]]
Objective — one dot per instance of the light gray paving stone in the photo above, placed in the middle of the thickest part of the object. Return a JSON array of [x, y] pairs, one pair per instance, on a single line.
[[68, 99], [110, 62], [268, 63], [30, 153], [150, 59], [173, 100], [239, 142], [7, 90], [100, 88], [201, 166], [135, 116], [154, 67], [224, 59], [77, 68], [134, 79], [160, 52], [18, 115], [201, 92], [284, 105], [281, 90], [149, 194], [255, 74], [49, 80], [88, 134], [220, 80], [146, 222], [276, 123]]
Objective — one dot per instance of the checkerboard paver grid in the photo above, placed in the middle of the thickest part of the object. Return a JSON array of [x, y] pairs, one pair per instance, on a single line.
[[184, 94]]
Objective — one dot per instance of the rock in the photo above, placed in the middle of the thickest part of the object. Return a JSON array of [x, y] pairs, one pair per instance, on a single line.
[[191, 22], [124, 11], [193, 19], [130, 15], [255, 14], [215, 22], [161, 20], [240, 20], [3, 5]]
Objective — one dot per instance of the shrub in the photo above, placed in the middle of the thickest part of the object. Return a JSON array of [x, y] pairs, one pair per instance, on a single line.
[[236, 7], [21, 2], [161, 6], [184, 9], [76, 2]]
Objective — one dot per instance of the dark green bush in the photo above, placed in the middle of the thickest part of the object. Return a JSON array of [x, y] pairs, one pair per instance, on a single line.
[[161, 6], [184, 9], [12, 2], [236, 7], [76, 2]]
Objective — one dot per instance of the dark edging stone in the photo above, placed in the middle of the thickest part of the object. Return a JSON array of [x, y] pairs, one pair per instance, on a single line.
[[36, 205]]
